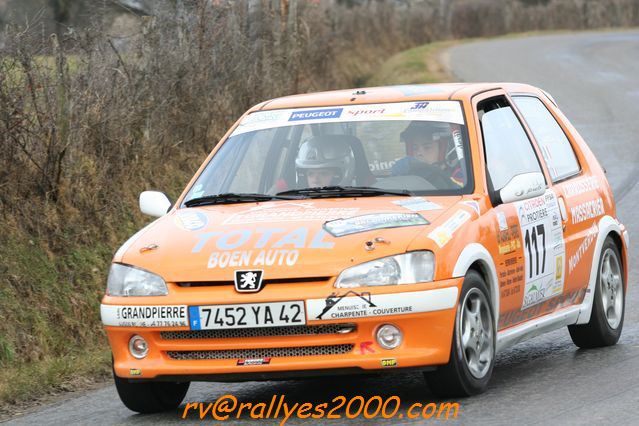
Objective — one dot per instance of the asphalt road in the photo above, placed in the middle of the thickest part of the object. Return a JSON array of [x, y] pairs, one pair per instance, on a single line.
[[593, 77]]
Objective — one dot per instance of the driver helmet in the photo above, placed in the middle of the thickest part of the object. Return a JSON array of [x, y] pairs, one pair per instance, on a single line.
[[430, 132], [326, 152]]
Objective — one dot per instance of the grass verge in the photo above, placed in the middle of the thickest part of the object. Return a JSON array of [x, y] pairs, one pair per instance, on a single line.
[[52, 340], [25, 385], [422, 64]]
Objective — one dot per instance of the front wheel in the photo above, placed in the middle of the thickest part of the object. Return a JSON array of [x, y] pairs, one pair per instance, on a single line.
[[606, 317], [150, 397], [472, 353]]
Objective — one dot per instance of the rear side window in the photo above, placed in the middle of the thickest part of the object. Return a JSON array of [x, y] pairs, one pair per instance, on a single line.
[[555, 147], [508, 149]]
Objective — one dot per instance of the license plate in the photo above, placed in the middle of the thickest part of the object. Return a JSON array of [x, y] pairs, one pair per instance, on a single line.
[[273, 314]]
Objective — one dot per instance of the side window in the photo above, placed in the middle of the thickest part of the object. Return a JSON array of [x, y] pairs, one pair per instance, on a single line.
[[554, 145], [508, 149]]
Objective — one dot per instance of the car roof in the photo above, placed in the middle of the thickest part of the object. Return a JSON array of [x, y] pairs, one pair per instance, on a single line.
[[400, 93]]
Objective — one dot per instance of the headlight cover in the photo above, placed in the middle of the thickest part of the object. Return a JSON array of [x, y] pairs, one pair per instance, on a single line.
[[408, 268], [129, 281]]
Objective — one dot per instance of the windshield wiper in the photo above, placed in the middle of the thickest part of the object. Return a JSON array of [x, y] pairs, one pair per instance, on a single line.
[[344, 191], [231, 198]]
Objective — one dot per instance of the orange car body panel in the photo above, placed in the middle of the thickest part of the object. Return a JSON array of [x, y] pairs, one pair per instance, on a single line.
[[182, 255]]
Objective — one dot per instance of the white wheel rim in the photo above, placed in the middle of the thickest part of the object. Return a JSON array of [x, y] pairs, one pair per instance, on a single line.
[[475, 329], [611, 288]]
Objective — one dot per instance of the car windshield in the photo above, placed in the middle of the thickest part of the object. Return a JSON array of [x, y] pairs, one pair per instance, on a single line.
[[405, 147]]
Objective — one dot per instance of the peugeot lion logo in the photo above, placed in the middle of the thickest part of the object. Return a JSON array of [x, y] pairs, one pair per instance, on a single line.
[[248, 281]]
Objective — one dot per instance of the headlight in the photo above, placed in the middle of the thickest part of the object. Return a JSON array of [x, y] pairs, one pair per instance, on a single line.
[[129, 281], [409, 268]]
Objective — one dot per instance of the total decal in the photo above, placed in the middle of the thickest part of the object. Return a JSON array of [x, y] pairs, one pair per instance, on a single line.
[[274, 246], [544, 252], [353, 304]]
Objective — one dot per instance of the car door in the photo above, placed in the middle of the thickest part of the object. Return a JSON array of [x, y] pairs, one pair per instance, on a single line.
[[579, 194], [530, 252]]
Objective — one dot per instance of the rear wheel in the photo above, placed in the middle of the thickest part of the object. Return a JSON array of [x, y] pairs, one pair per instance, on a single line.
[[608, 305], [473, 348], [150, 397]]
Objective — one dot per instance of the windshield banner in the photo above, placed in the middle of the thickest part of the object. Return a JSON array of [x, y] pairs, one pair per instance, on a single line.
[[445, 111]]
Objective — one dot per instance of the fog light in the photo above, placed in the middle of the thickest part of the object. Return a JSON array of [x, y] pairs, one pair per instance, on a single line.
[[138, 347], [389, 336]]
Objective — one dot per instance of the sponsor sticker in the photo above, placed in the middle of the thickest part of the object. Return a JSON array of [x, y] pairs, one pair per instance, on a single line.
[[289, 212], [417, 204], [444, 233], [353, 304], [315, 114], [588, 210], [509, 240], [264, 116], [419, 105], [501, 219], [473, 205], [559, 268], [580, 186], [366, 347], [369, 222], [367, 111], [191, 220], [254, 361], [144, 316], [253, 258], [583, 248], [389, 362]]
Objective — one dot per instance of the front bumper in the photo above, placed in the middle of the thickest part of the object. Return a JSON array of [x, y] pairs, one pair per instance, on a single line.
[[329, 346]]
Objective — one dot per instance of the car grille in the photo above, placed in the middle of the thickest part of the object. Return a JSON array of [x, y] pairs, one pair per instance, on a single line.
[[262, 353], [316, 280], [298, 330]]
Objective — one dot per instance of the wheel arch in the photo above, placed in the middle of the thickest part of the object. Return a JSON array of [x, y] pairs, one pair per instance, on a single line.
[[476, 257], [619, 242], [608, 226]]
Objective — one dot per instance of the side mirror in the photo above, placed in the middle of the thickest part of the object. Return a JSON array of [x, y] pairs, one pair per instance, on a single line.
[[154, 203], [522, 187]]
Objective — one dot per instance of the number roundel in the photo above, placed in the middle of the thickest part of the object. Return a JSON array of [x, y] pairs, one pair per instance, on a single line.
[[544, 248]]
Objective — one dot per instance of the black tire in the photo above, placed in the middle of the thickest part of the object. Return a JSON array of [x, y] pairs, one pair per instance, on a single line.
[[456, 379], [150, 397], [598, 331]]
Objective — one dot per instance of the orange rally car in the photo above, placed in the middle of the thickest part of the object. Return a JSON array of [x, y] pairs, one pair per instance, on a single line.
[[407, 227]]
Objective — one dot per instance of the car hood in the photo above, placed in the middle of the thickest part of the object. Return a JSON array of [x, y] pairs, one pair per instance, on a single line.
[[315, 238]]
